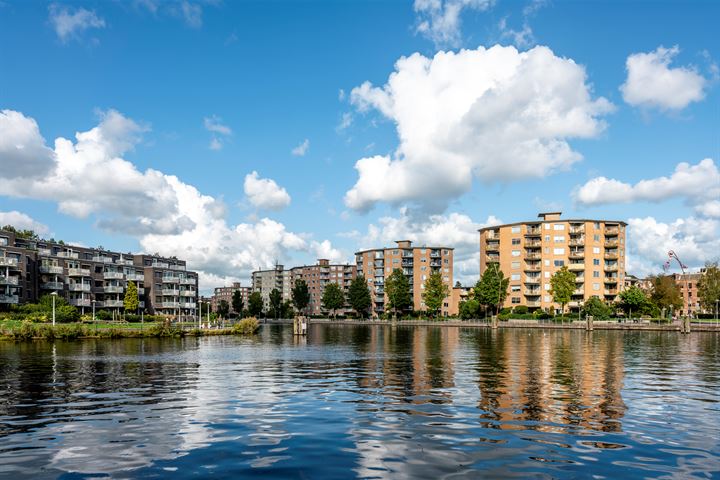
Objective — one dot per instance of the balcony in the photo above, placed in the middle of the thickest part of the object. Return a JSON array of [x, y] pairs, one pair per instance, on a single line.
[[533, 280], [190, 305], [492, 258], [435, 263], [102, 259], [187, 281], [79, 287], [577, 254], [576, 266], [493, 247], [579, 291], [187, 293], [611, 243], [577, 242], [576, 230], [160, 265], [613, 255], [113, 289], [612, 230], [536, 292], [533, 232], [612, 291], [170, 279], [112, 303], [54, 269], [533, 244], [611, 279], [532, 255], [44, 252], [8, 262], [435, 254], [52, 285], [125, 261], [533, 304], [177, 267], [135, 277], [113, 275], [170, 292], [169, 305], [579, 279], [407, 263], [8, 298], [611, 268], [141, 291], [8, 280], [74, 255], [78, 272], [532, 267], [80, 302]]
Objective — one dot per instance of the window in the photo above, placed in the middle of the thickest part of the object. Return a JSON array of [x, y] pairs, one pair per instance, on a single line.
[[559, 239], [547, 238], [596, 238], [515, 241], [547, 263], [446, 261], [597, 225], [515, 288], [445, 252], [396, 260], [515, 229], [547, 226], [547, 298], [596, 261], [596, 274], [546, 287], [422, 251], [515, 276], [596, 249], [559, 226], [515, 300], [596, 286], [424, 277], [559, 251], [559, 263], [423, 268], [515, 265], [515, 253], [547, 274]]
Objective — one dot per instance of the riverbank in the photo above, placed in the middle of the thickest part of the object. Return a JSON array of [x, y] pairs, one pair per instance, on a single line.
[[575, 325]]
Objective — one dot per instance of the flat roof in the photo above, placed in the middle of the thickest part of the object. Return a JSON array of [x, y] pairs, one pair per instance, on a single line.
[[569, 220]]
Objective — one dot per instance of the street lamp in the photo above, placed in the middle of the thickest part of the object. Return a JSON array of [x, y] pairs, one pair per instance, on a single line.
[[94, 319], [53, 294]]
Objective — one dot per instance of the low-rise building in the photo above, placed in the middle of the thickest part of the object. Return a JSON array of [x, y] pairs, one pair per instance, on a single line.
[[688, 285], [87, 277], [226, 293]]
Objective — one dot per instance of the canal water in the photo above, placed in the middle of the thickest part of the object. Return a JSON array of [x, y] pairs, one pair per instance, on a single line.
[[364, 402]]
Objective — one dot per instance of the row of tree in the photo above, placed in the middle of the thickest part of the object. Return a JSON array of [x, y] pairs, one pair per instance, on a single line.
[[396, 287]]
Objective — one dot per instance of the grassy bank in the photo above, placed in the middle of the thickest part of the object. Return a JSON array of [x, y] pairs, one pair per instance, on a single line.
[[27, 330]]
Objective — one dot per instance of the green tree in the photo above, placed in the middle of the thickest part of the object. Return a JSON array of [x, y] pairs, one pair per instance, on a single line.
[[223, 309], [275, 302], [19, 233], [287, 309], [709, 287], [434, 293], [562, 285], [131, 302], [64, 312], [359, 295], [470, 308], [596, 308], [633, 299], [300, 295], [665, 292], [333, 298], [237, 303], [491, 289], [255, 304], [397, 289]]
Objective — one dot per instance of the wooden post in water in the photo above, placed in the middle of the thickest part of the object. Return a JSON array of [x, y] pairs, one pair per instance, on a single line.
[[299, 325], [589, 323], [685, 324], [494, 322]]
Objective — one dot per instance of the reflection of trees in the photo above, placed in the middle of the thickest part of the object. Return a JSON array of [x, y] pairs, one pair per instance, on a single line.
[[554, 380]]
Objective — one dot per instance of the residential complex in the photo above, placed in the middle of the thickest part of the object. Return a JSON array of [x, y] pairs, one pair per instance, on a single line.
[[688, 285], [318, 276], [529, 253], [30, 268], [417, 263], [226, 293], [265, 281]]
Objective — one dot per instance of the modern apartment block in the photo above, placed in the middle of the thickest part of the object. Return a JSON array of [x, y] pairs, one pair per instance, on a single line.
[[529, 253], [226, 293], [688, 285], [318, 276], [417, 263], [30, 268], [264, 281]]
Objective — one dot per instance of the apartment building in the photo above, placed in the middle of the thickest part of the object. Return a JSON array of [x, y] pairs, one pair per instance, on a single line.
[[226, 293], [319, 276], [417, 263], [264, 281], [688, 285], [31, 268], [529, 253]]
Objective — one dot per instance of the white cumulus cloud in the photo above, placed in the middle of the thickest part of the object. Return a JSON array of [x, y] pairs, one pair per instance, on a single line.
[[22, 221], [265, 193], [698, 185], [301, 149], [23, 152], [439, 20], [495, 114], [652, 82], [695, 240], [69, 23]]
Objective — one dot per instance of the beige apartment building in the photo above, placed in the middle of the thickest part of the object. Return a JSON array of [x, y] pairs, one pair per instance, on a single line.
[[265, 281], [529, 253], [417, 263], [688, 285], [318, 276], [226, 293]]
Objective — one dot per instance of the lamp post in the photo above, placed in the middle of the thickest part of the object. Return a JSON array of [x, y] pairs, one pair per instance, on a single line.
[[716, 311], [53, 294], [94, 319]]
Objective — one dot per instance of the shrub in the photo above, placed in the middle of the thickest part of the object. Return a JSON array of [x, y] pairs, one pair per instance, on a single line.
[[520, 309], [246, 326]]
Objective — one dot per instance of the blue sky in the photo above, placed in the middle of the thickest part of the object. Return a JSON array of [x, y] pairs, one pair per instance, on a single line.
[[163, 82]]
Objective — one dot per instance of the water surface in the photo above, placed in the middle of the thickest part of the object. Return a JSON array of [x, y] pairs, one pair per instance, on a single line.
[[365, 402]]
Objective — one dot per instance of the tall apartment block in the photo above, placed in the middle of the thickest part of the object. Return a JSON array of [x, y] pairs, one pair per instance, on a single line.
[[264, 281], [417, 263], [226, 293], [319, 276], [30, 268], [529, 253]]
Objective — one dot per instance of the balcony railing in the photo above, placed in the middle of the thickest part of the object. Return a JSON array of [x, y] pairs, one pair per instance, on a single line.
[[611, 292], [611, 279], [80, 302], [612, 230], [79, 287], [170, 279], [187, 293], [113, 275], [533, 243], [8, 280], [493, 246], [576, 266], [125, 261], [532, 280], [532, 232], [533, 293], [576, 253], [44, 252], [576, 230], [187, 281], [54, 269], [102, 259], [191, 305], [611, 268], [532, 255], [577, 242], [169, 304], [611, 243], [8, 262], [113, 289], [68, 255], [78, 272], [533, 304], [112, 303], [492, 258], [611, 255], [170, 292], [52, 285], [8, 298], [177, 267], [160, 265], [135, 277]]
